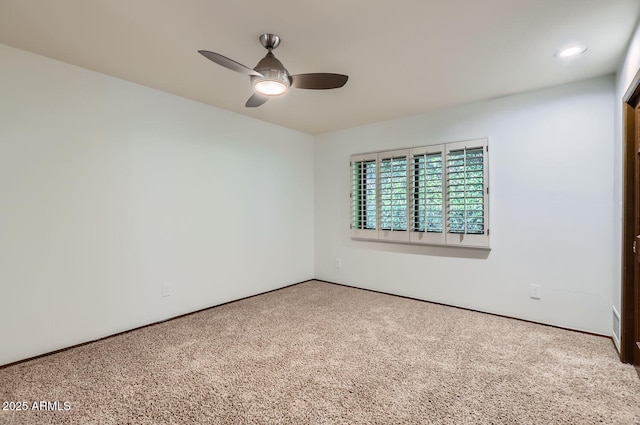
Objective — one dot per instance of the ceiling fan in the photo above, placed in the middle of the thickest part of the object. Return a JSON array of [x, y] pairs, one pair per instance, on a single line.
[[271, 78]]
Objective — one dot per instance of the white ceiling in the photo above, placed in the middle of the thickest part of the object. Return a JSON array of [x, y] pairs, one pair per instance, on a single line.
[[403, 57]]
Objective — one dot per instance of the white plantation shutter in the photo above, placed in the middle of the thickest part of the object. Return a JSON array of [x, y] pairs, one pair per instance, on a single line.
[[466, 193], [427, 195], [394, 195], [364, 189]]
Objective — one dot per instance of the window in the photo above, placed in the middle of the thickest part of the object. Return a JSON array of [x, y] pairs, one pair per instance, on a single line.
[[427, 195], [364, 189], [393, 199]]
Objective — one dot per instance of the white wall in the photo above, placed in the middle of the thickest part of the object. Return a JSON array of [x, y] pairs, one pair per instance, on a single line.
[[109, 189], [627, 71], [551, 179]]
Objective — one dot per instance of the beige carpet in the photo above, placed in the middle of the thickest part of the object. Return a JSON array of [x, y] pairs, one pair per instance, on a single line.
[[323, 354]]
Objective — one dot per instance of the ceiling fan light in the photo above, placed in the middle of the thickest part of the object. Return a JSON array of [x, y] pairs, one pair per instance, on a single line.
[[271, 82], [270, 87]]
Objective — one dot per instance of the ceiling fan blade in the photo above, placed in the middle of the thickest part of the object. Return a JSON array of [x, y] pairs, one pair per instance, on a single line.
[[318, 81], [256, 100], [228, 63]]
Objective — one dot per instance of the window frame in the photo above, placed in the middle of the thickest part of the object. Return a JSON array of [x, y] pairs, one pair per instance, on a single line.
[[424, 237]]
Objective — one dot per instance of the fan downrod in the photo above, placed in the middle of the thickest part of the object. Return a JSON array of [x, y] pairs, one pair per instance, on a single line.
[[270, 41]]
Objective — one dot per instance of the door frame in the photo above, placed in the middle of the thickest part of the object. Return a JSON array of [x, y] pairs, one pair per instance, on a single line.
[[630, 301]]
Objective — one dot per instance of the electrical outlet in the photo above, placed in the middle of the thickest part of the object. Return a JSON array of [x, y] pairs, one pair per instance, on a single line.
[[535, 291], [338, 263], [166, 289]]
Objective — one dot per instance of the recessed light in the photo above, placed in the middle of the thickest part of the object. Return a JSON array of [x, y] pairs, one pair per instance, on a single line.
[[571, 51]]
